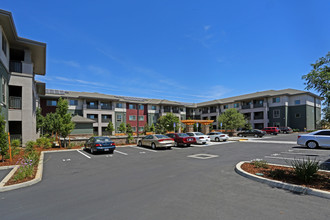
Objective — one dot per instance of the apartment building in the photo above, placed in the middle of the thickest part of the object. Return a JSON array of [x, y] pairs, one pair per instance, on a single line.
[[20, 60], [288, 107]]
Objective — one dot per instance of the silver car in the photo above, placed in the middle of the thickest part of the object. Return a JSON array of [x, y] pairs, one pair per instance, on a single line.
[[218, 136], [320, 138], [156, 141]]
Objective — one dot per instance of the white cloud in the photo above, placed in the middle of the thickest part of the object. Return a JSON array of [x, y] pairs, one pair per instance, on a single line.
[[67, 62], [207, 27]]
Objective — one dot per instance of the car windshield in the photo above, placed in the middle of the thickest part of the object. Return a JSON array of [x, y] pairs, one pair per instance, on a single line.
[[183, 135], [199, 133], [102, 139], [160, 136], [218, 133]]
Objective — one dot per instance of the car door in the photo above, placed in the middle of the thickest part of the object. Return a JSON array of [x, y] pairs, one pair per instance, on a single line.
[[145, 140], [323, 138]]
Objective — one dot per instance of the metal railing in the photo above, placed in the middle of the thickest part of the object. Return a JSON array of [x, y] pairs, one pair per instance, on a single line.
[[106, 107], [258, 105], [246, 106], [15, 66], [106, 120], [15, 102], [92, 107]]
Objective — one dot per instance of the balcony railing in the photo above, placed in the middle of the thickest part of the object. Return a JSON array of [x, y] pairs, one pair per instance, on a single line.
[[92, 107], [15, 66], [175, 111], [15, 102], [213, 110], [167, 110], [246, 106], [258, 117], [94, 119], [106, 120], [106, 107], [258, 105], [205, 111]]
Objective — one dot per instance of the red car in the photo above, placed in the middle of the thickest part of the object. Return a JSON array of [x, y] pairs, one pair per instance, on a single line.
[[182, 139], [271, 130]]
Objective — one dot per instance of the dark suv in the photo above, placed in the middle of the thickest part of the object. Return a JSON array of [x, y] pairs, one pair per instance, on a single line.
[[286, 130], [253, 132]]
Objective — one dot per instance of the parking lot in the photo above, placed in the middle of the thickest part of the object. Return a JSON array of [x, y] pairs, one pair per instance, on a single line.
[[196, 182]]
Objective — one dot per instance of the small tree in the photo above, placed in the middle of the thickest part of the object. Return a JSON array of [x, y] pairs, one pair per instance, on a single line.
[[129, 132], [160, 129], [152, 128], [247, 126], [109, 128], [231, 119], [65, 125], [40, 120], [3, 136], [146, 128], [122, 128], [166, 122]]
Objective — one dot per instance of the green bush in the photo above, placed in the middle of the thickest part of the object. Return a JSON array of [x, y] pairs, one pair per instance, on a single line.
[[44, 142], [29, 146], [277, 174], [15, 147], [305, 170], [295, 130], [260, 164]]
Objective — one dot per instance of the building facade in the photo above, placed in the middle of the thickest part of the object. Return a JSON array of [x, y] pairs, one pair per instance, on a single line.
[[279, 108], [21, 60]]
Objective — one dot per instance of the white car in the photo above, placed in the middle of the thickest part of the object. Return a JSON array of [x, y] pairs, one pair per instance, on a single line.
[[200, 137], [218, 136], [320, 138]]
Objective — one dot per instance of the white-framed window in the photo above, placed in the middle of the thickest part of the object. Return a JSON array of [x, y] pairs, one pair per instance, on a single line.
[[141, 129], [276, 113], [119, 117], [131, 106], [119, 105], [225, 106], [73, 102], [297, 102], [141, 107], [276, 100], [297, 115], [153, 107], [4, 44], [4, 90], [236, 105], [51, 102], [134, 129], [132, 117], [141, 117]]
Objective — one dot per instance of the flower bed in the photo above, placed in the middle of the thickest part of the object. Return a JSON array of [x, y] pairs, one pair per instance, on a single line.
[[321, 180]]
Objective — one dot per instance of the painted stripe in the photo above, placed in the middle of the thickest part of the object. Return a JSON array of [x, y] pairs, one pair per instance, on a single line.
[[117, 151], [140, 148], [84, 154]]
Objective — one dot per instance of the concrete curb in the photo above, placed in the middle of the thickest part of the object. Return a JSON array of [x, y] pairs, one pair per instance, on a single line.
[[281, 185], [36, 179]]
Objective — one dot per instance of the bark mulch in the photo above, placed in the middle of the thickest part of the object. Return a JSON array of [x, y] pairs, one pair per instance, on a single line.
[[287, 175]]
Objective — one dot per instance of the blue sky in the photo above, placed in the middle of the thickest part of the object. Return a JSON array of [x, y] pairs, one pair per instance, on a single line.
[[190, 51]]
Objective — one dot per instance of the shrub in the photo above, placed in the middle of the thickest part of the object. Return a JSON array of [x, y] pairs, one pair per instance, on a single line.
[[277, 174], [29, 146], [27, 164], [260, 164], [15, 145], [295, 130], [305, 170], [44, 142]]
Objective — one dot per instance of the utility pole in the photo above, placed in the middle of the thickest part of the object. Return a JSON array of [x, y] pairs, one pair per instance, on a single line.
[[137, 124]]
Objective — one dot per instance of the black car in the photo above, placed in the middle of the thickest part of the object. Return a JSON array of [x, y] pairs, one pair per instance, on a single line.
[[100, 144], [253, 132], [286, 130]]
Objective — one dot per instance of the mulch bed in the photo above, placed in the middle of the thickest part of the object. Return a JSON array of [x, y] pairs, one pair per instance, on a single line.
[[321, 180], [11, 181]]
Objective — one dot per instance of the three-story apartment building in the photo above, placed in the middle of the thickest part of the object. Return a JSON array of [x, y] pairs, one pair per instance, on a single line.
[[20, 60]]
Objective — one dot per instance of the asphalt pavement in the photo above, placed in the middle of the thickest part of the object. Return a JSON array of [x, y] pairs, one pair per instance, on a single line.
[[183, 183]]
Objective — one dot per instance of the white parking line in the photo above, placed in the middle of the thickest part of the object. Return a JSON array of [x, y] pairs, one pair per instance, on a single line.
[[144, 149], [300, 153], [117, 151], [84, 154]]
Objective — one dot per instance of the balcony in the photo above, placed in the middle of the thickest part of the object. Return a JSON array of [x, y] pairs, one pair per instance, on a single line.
[[108, 107], [205, 111], [175, 111], [92, 107], [258, 117], [246, 106], [15, 66], [213, 110], [167, 110], [258, 105], [15, 102], [106, 120]]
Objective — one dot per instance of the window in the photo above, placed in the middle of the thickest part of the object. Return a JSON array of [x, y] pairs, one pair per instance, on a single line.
[[141, 118], [119, 117], [131, 106], [276, 113], [297, 115], [153, 107], [225, 106], [297, 102], [132, 118], [51, 102], [4, 95], [119, 105], [73, 102], [4, 44], [181, 109], [140, 129], [141, 107], [134, 129], [325, 133], [236, 105], [276, 100]]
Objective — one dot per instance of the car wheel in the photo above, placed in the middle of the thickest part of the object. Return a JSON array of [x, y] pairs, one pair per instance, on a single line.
[[175, 144], [169, 148], [240, 135], [140, 144], [153, 146], [217, 139], [188, 145], [111, 152], [255, 135], [92, 151], [312, 144]]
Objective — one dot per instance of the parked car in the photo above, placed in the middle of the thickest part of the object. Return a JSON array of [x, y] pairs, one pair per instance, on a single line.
[[218, 136], [286, 130], [182, 139], [271, 130], [100, 144], [254, 132], [320, 138], [156, 141], [200, 137]]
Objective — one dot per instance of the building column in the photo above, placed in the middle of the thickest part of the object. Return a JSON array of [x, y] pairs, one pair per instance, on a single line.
[[205, 128], [99, 117], [190, 128]]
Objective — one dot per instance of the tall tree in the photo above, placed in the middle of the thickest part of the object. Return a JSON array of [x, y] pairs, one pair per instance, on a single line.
[[166, 123], [110, 127], [146, 128], [65, 125], [231, 119], [3, 136], [122, 128]]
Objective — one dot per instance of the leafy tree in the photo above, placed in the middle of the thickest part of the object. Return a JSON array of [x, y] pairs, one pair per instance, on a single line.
[[231, 119], [319, 79], [40, 120], [129, 132], [3, 136], [247, 126], [146, 128], [160, 129], [110, 127], [122, 128], [65, 125], [50, 122], [152, 128], [166, 123]]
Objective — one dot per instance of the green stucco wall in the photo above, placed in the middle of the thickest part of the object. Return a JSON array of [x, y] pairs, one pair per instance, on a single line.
[[83, 128], [117, 123]]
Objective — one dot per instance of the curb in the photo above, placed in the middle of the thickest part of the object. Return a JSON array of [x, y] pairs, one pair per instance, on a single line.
[[281, 185], [36, 179]]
